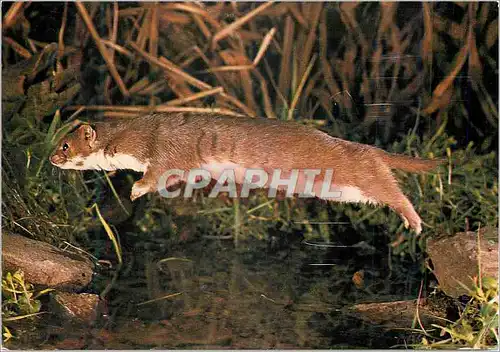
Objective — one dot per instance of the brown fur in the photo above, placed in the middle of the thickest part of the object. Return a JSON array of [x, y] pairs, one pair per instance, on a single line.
[[186, 140]]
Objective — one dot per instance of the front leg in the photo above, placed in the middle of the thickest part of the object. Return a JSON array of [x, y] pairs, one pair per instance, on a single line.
[[149, 183]]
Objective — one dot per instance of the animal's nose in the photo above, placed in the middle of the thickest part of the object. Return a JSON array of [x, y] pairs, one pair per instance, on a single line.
[[54, 159]]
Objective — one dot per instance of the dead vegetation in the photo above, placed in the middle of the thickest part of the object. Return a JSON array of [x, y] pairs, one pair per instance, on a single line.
[[279, 60]]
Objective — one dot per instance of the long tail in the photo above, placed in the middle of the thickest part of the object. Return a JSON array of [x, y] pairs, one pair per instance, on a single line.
[[408, 163]]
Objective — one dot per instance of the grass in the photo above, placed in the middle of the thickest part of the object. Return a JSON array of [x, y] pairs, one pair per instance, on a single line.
[[19, 302]]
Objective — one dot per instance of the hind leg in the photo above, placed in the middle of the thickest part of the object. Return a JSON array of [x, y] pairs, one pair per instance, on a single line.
[[387, 191]]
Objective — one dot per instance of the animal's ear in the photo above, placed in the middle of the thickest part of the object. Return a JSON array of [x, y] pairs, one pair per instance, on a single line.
[[87, 132]]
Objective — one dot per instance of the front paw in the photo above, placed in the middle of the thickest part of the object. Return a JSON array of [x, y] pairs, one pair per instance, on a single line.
[[414, 223], [138, 190]]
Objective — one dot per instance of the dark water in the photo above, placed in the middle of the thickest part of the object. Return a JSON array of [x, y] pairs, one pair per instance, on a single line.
[[198, 292]]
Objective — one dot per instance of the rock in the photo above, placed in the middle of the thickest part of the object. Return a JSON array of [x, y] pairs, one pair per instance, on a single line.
[[80, 308], [456, 259], [399, 313], [44, 264]]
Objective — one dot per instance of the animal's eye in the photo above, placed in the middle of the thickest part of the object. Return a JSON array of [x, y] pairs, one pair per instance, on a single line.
[[65, 147]]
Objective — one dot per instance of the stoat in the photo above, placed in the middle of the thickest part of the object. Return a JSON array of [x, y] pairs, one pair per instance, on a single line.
[[156, 143]]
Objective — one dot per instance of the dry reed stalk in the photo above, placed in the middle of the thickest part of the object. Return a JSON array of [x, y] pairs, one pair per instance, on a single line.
[[117, 48], [228, 30], [187, 54], [108, 20], [310, 37], [268, 109], [348, 69], [249, 36], [475, 71], [247, 85], [388, 10], [234, 7], [79, 31], [279, 10], [139, 85], [263, 47], [18, 48], [150, 109], [202, 26], [305, 8], [189, 59], [373, 75], [102, 49], [294, 10], [487, 104], [412, 88], [216, 10], [120, 114], [135, 24], [444, 86], [153, 30], [154, 88], [244, 67], [82, 35], [142, 36], [405, 42], [311, 83], [194, 10], [348, 16], [178, 86], [285, 70], [455, 30], [112, 41], [196, 96], [131, 73], [222, 81], [60, 49], [236, 59], [276, 46], [130, 12], [325, 66], [300, 87], [32, 45], [325, 101], [167, 65], [396, 47], [270, 75], [38, 44], [475, 67], [386, 30], [428, 34], [482, 16], [492, 34], [365, 88], [13, 15], [167, 17]]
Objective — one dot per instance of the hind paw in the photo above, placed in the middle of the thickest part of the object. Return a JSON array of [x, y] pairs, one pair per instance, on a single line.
[[415, 224], [418, 228], [406, 222]]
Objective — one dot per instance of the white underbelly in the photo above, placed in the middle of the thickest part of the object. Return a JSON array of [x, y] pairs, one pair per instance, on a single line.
[[331, 192]]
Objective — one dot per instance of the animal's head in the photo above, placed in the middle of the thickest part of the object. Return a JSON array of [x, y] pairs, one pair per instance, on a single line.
[[75, 148]]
